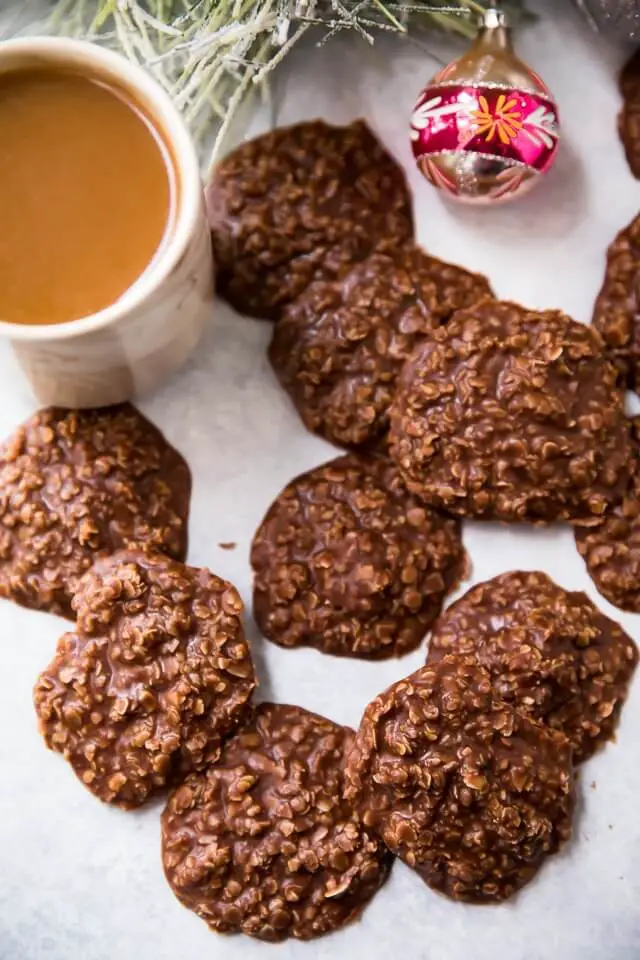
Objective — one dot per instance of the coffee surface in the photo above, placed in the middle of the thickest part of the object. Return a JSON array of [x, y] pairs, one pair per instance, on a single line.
[[85, 195]]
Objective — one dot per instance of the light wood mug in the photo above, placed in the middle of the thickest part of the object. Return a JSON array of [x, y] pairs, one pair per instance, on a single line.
[[128, 348]]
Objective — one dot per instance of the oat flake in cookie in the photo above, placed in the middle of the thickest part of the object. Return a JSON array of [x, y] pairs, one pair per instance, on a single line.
[[511, 414], [348, 562], [612, 549], [549, 652], [302, 202], [263, 842], [466, 790], [617, 310], [339, 348], [76, 485], [155, 675]]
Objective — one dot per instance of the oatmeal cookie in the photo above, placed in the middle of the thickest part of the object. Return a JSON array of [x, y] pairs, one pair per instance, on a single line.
[[549, 652], [155, 675], [510, 414], [298, 203], [617, 313], [76, 485], [339, 348], [263, 842], [348, 562], [466, 790]]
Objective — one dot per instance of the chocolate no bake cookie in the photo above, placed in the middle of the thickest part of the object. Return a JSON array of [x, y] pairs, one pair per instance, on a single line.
[[510, 414], [156, 674], [612, 549], [629, 117], [76, 485], [550, 653], [339, 348], [348, 562], [617, 311], [301, 202], [466, 790], [263, 842]]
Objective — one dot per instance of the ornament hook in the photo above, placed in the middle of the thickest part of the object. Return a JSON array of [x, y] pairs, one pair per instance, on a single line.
[[494, 18]]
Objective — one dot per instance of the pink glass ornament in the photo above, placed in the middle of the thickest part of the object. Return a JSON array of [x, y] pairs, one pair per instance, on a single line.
[[486, 127]]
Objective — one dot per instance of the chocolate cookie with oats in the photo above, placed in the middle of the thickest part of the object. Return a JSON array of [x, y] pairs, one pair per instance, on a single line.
[[346, 561], [339, 348], [611, 550], [550, 653], [156, 674], [301, 202], [466, 790], [511, 414], [629, 117], [617, 311], [78, 484], [263, 842]]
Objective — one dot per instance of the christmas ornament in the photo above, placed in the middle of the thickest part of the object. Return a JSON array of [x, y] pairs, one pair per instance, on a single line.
[[486, 126], [618, 19]]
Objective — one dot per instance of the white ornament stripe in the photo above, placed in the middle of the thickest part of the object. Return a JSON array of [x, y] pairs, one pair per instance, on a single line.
[[545, 129], [431, 110]]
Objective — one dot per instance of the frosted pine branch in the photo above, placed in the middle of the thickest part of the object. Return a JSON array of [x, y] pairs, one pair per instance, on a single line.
[[212, 54]]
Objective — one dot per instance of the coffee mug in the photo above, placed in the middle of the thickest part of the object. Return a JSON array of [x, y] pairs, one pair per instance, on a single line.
[[128, 348]]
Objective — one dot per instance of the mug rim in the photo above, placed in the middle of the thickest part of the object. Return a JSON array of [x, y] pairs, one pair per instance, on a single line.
[[183, 153]]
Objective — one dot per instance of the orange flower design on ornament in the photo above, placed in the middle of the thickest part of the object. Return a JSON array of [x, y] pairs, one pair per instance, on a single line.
[[503, 121]]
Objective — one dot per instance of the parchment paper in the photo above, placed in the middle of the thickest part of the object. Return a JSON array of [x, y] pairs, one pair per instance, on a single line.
[[79, 881]]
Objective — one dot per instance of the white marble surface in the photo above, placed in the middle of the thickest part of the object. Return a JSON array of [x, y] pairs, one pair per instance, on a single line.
[[79, 881]]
